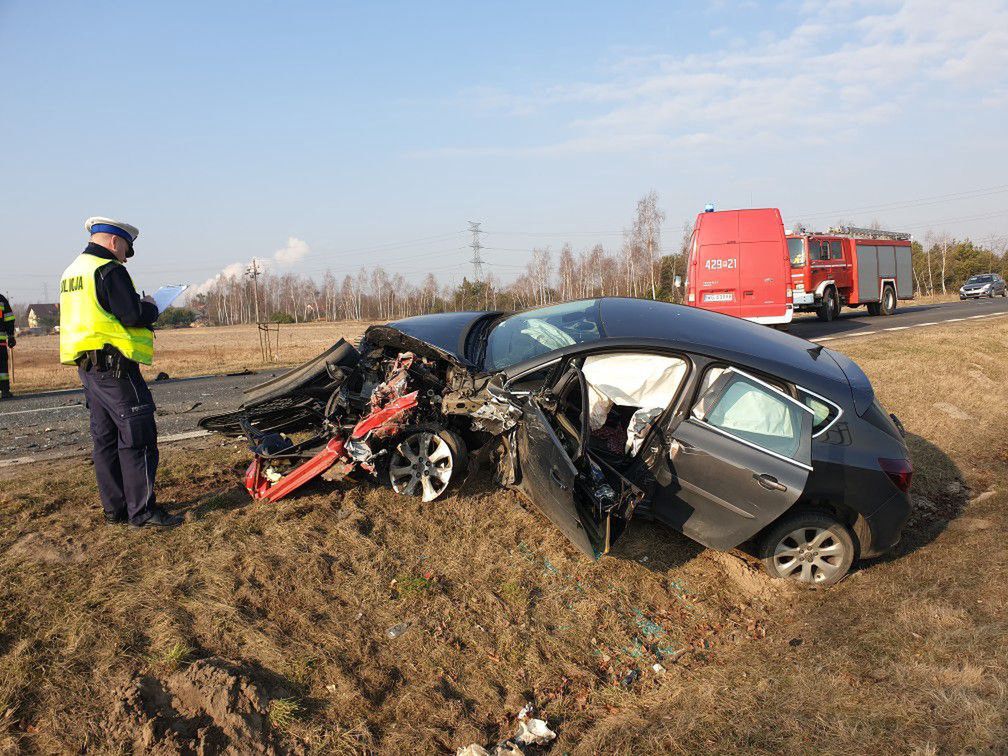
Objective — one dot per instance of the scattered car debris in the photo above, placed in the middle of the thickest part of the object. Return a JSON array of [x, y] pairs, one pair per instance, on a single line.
[[630, 678]]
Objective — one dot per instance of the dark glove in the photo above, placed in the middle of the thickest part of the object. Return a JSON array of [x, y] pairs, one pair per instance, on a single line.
[[11, 341]]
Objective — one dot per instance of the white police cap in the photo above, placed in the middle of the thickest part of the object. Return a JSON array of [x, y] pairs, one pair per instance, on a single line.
[[100, 225]]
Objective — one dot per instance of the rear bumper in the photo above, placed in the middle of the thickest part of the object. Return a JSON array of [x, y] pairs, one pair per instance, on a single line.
[[775, 319], [885, 526]]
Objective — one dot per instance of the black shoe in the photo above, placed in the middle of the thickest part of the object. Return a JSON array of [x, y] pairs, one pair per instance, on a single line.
[[160, 518], [115, 519]]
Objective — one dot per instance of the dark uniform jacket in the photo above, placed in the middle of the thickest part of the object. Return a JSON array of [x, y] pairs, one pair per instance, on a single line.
[[6, 319], [116, 293]]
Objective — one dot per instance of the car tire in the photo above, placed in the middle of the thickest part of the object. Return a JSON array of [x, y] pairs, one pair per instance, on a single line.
[[888, 304], [828, 310], [426, 462], [809, 546]]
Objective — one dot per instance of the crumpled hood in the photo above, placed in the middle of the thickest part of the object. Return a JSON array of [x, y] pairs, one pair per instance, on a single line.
[[447, 331]]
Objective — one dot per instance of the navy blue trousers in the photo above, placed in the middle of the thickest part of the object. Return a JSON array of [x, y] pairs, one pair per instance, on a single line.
[[4, 375], [124, 433]]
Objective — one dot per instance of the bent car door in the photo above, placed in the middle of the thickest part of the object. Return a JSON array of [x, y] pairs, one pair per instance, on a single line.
[[552, 437], [739, 460]]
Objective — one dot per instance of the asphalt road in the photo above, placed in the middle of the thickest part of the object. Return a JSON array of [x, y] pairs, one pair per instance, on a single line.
[[859, 323], [53, 425]]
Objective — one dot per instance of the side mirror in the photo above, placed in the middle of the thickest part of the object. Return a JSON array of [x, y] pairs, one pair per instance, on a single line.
[[677, 282]]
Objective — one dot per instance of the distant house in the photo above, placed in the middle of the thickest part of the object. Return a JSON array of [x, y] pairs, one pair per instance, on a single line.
[[43, 317]]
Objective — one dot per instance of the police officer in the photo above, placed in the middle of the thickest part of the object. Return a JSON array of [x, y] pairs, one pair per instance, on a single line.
[[7, 341], [106, 330]]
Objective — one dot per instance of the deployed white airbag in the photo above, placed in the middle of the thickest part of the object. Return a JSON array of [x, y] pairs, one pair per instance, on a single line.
[[647, 381]]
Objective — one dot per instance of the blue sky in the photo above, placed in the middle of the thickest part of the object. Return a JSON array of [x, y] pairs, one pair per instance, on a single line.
[[322, 135]]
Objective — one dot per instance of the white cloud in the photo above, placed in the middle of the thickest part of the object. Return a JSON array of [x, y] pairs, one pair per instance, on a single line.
[[295, 251], [842, 66], [287, 256]]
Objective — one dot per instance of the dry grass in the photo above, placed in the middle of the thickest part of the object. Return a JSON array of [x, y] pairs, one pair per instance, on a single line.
[[909, 653], [182, 352]]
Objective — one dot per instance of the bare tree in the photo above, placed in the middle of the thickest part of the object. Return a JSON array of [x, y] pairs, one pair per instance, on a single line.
[[647, 234]]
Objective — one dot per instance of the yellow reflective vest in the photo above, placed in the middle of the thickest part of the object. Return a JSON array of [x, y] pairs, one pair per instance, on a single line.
[[85, 326]]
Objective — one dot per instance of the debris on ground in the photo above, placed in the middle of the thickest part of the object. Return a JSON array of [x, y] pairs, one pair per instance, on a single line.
[[211, 706], [630, 678], [531, 732], [396, 630]]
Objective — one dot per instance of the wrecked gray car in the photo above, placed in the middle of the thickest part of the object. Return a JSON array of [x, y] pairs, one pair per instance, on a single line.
[[600, 411]]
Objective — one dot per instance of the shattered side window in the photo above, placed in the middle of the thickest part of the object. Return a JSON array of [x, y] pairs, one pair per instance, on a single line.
[[527, 335]]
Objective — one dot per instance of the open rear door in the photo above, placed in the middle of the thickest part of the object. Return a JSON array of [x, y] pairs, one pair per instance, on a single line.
[[739, 461], [549, 476]]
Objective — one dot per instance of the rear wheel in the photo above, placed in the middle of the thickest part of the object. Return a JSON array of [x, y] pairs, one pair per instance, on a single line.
[[809, 547], [829, 308], [888, 304], [426, 462]]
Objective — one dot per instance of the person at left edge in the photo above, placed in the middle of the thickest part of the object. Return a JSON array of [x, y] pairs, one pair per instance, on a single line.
[[106, 330], [7, 341]]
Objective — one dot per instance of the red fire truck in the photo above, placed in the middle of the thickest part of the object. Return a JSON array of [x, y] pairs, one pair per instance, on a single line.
[[738, 264], [849, 267]]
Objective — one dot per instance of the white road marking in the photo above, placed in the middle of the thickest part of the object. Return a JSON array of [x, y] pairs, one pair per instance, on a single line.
[[42, 409], [921, 325], [62, 454], [824, 338], [897, 328], [954, 320], [974, 317]]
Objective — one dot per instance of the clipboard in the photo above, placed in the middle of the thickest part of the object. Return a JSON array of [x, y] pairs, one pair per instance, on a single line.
[[164, 296]]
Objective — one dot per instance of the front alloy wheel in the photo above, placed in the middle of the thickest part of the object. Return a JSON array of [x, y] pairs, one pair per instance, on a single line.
[[426, 462], [808, 547]]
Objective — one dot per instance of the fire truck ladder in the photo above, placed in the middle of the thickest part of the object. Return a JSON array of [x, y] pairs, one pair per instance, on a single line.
[[869, 233]]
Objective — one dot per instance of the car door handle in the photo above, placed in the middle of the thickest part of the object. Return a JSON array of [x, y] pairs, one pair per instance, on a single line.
[[769, 482], [555, 477]]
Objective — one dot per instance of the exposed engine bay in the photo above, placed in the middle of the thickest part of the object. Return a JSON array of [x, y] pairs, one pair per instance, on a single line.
[[403, 413]]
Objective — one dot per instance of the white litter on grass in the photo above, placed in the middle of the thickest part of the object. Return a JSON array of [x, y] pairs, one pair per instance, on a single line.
[[532, 731]]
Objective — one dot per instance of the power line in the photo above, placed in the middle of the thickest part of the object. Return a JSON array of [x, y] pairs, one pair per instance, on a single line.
[[919, 202]]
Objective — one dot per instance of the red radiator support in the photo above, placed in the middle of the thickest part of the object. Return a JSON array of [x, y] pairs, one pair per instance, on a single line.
[[260, 488]]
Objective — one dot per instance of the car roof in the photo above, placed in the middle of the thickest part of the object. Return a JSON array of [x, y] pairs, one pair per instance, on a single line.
[[722, 336]]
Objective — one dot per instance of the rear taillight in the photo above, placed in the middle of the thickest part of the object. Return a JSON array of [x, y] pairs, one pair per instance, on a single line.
[[692, 297], [789, 294], [900, 471]]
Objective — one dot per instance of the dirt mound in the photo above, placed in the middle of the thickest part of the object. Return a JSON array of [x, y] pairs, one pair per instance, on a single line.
[[748, 579], [213, 706]]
